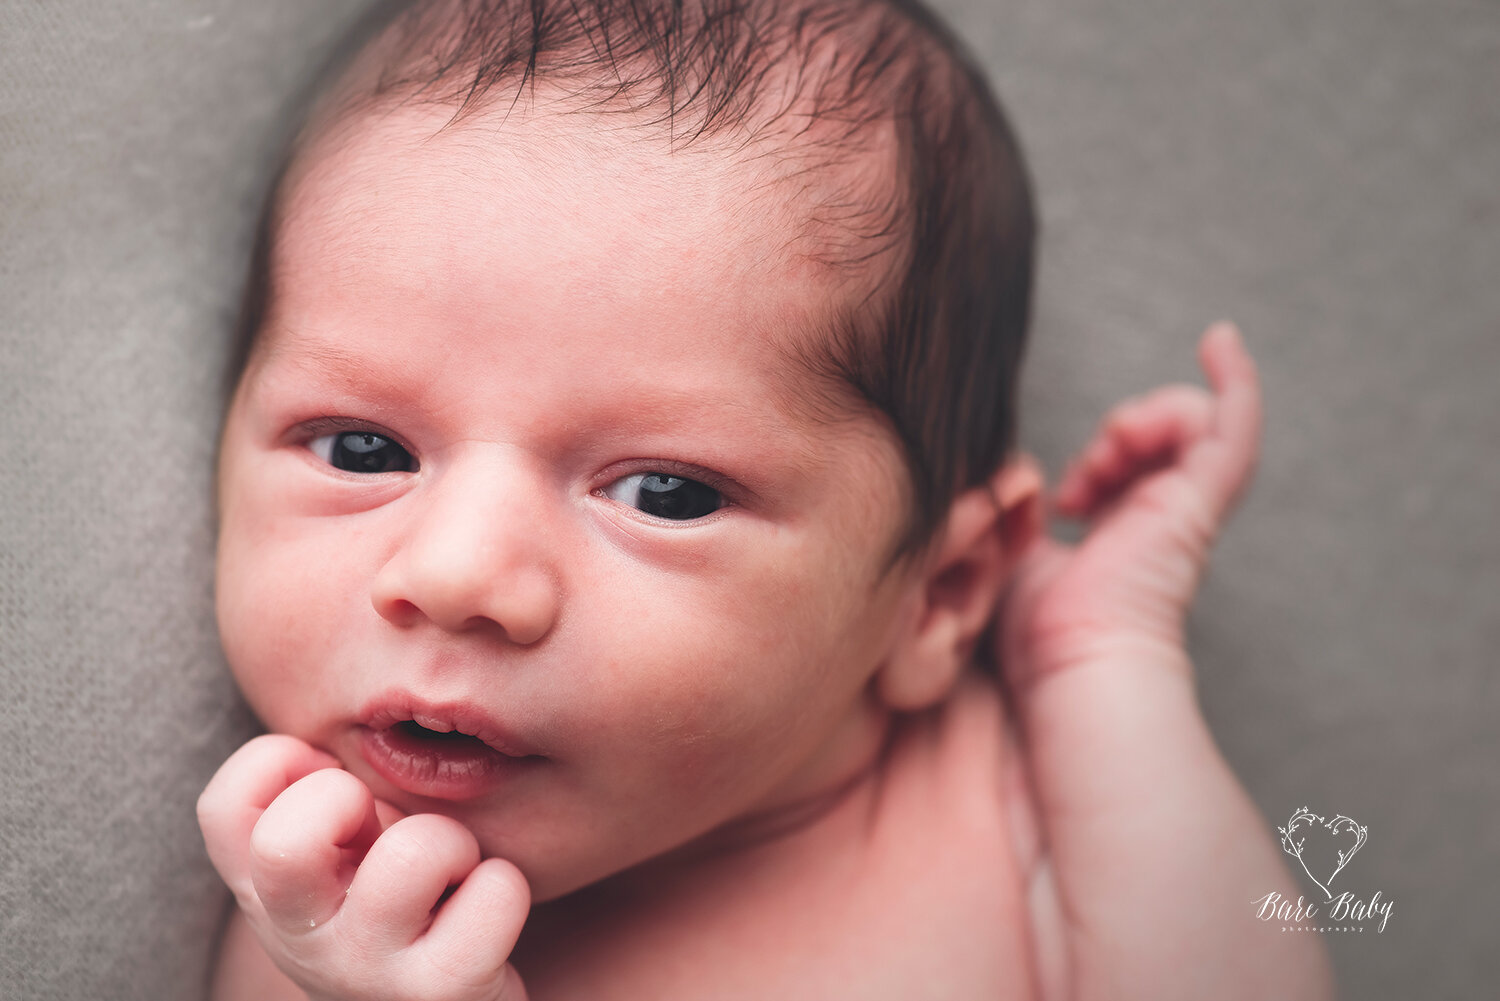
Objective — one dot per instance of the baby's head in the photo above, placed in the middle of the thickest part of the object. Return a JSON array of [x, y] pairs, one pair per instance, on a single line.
[[625, 394]]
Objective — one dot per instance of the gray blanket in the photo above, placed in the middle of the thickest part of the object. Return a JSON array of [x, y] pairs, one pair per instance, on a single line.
[[1327, 172]]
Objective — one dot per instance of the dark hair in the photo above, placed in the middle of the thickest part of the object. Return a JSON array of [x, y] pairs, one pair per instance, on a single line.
[[936, 345]]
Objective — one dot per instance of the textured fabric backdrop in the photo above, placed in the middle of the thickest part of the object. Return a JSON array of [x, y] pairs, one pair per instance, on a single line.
[[1324, 171]]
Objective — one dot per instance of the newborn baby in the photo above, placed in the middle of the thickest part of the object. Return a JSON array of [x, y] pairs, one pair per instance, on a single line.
[[616, 499]]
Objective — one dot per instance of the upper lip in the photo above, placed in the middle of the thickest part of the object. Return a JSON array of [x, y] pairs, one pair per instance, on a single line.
[[458, 717]]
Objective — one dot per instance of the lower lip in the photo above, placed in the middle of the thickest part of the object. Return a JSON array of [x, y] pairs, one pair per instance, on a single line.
[[439, 766]]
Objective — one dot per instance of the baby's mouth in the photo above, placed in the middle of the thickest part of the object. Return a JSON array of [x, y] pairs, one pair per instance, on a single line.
[[412, 730], [438, 760]]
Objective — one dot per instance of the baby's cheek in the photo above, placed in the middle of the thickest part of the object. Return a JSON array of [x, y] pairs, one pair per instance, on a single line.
[[692, 714], [270, 626]]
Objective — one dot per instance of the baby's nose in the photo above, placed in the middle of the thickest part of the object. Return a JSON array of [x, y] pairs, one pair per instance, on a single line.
[[474, 554]]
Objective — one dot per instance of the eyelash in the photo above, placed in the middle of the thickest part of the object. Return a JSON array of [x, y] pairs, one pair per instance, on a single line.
[[332, 428]]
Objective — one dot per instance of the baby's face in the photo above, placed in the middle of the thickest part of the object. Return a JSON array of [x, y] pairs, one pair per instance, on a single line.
[[519, 455]]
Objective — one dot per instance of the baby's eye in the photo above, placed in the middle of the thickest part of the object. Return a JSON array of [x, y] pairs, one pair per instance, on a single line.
[[362, 452], [663, 496]]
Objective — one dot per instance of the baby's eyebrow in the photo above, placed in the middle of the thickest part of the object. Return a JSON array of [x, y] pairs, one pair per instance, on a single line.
[[318, 357], [784, 415]]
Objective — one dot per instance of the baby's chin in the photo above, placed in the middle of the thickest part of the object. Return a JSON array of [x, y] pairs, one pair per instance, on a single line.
[[713, 851]]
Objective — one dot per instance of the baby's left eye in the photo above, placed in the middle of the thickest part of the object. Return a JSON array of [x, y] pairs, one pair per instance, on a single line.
[[662, 495]]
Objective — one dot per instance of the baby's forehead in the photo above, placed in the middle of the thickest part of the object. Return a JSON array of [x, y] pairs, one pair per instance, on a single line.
[[825, 195], [797, 102], [696, 231], [743, 222]]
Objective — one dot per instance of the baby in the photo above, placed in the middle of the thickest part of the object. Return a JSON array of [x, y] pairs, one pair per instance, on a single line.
[[616, 499]]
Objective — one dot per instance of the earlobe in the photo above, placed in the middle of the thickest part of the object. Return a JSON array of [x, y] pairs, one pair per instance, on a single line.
[[968, 564]]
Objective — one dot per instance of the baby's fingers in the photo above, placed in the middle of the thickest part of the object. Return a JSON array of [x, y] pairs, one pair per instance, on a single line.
[[1222, 466], [476, 928], [1213, 439], [239, 793], [307, 845], [403, 879], [1136, 439]]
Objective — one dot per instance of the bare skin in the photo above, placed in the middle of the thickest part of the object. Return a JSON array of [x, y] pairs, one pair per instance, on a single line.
[[960, 860], [852, 904], [1152, 850]]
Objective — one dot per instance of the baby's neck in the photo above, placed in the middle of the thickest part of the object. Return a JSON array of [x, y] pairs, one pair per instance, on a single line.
[[733, 862]]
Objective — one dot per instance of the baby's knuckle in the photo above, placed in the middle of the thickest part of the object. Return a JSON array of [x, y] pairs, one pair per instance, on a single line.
[[406, 855], [338, 787], [275, 846], [407, 848]]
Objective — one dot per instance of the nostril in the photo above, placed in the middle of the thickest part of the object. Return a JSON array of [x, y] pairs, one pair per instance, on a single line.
[[398, 611]]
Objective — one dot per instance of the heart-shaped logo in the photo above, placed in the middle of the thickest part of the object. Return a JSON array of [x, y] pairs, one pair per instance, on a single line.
[[1319, 845]]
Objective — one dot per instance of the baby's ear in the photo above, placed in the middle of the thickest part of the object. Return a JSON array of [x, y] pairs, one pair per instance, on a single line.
[[966, 568]]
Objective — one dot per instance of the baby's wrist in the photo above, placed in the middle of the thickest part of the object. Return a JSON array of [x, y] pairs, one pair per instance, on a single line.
[[1157, 651]]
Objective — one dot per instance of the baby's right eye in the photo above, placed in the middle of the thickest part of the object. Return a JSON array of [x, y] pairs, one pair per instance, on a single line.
[[362, 452]]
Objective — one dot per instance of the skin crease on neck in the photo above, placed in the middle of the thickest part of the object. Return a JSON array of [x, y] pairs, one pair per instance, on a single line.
[[535, 314]]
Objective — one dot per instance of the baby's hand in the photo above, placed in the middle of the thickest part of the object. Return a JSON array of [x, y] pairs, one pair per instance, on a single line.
[[352, 904], [1153, 854], [1155, 485]]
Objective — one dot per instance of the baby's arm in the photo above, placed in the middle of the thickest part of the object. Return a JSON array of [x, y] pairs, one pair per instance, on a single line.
[[348, 906], [1153, 853]]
